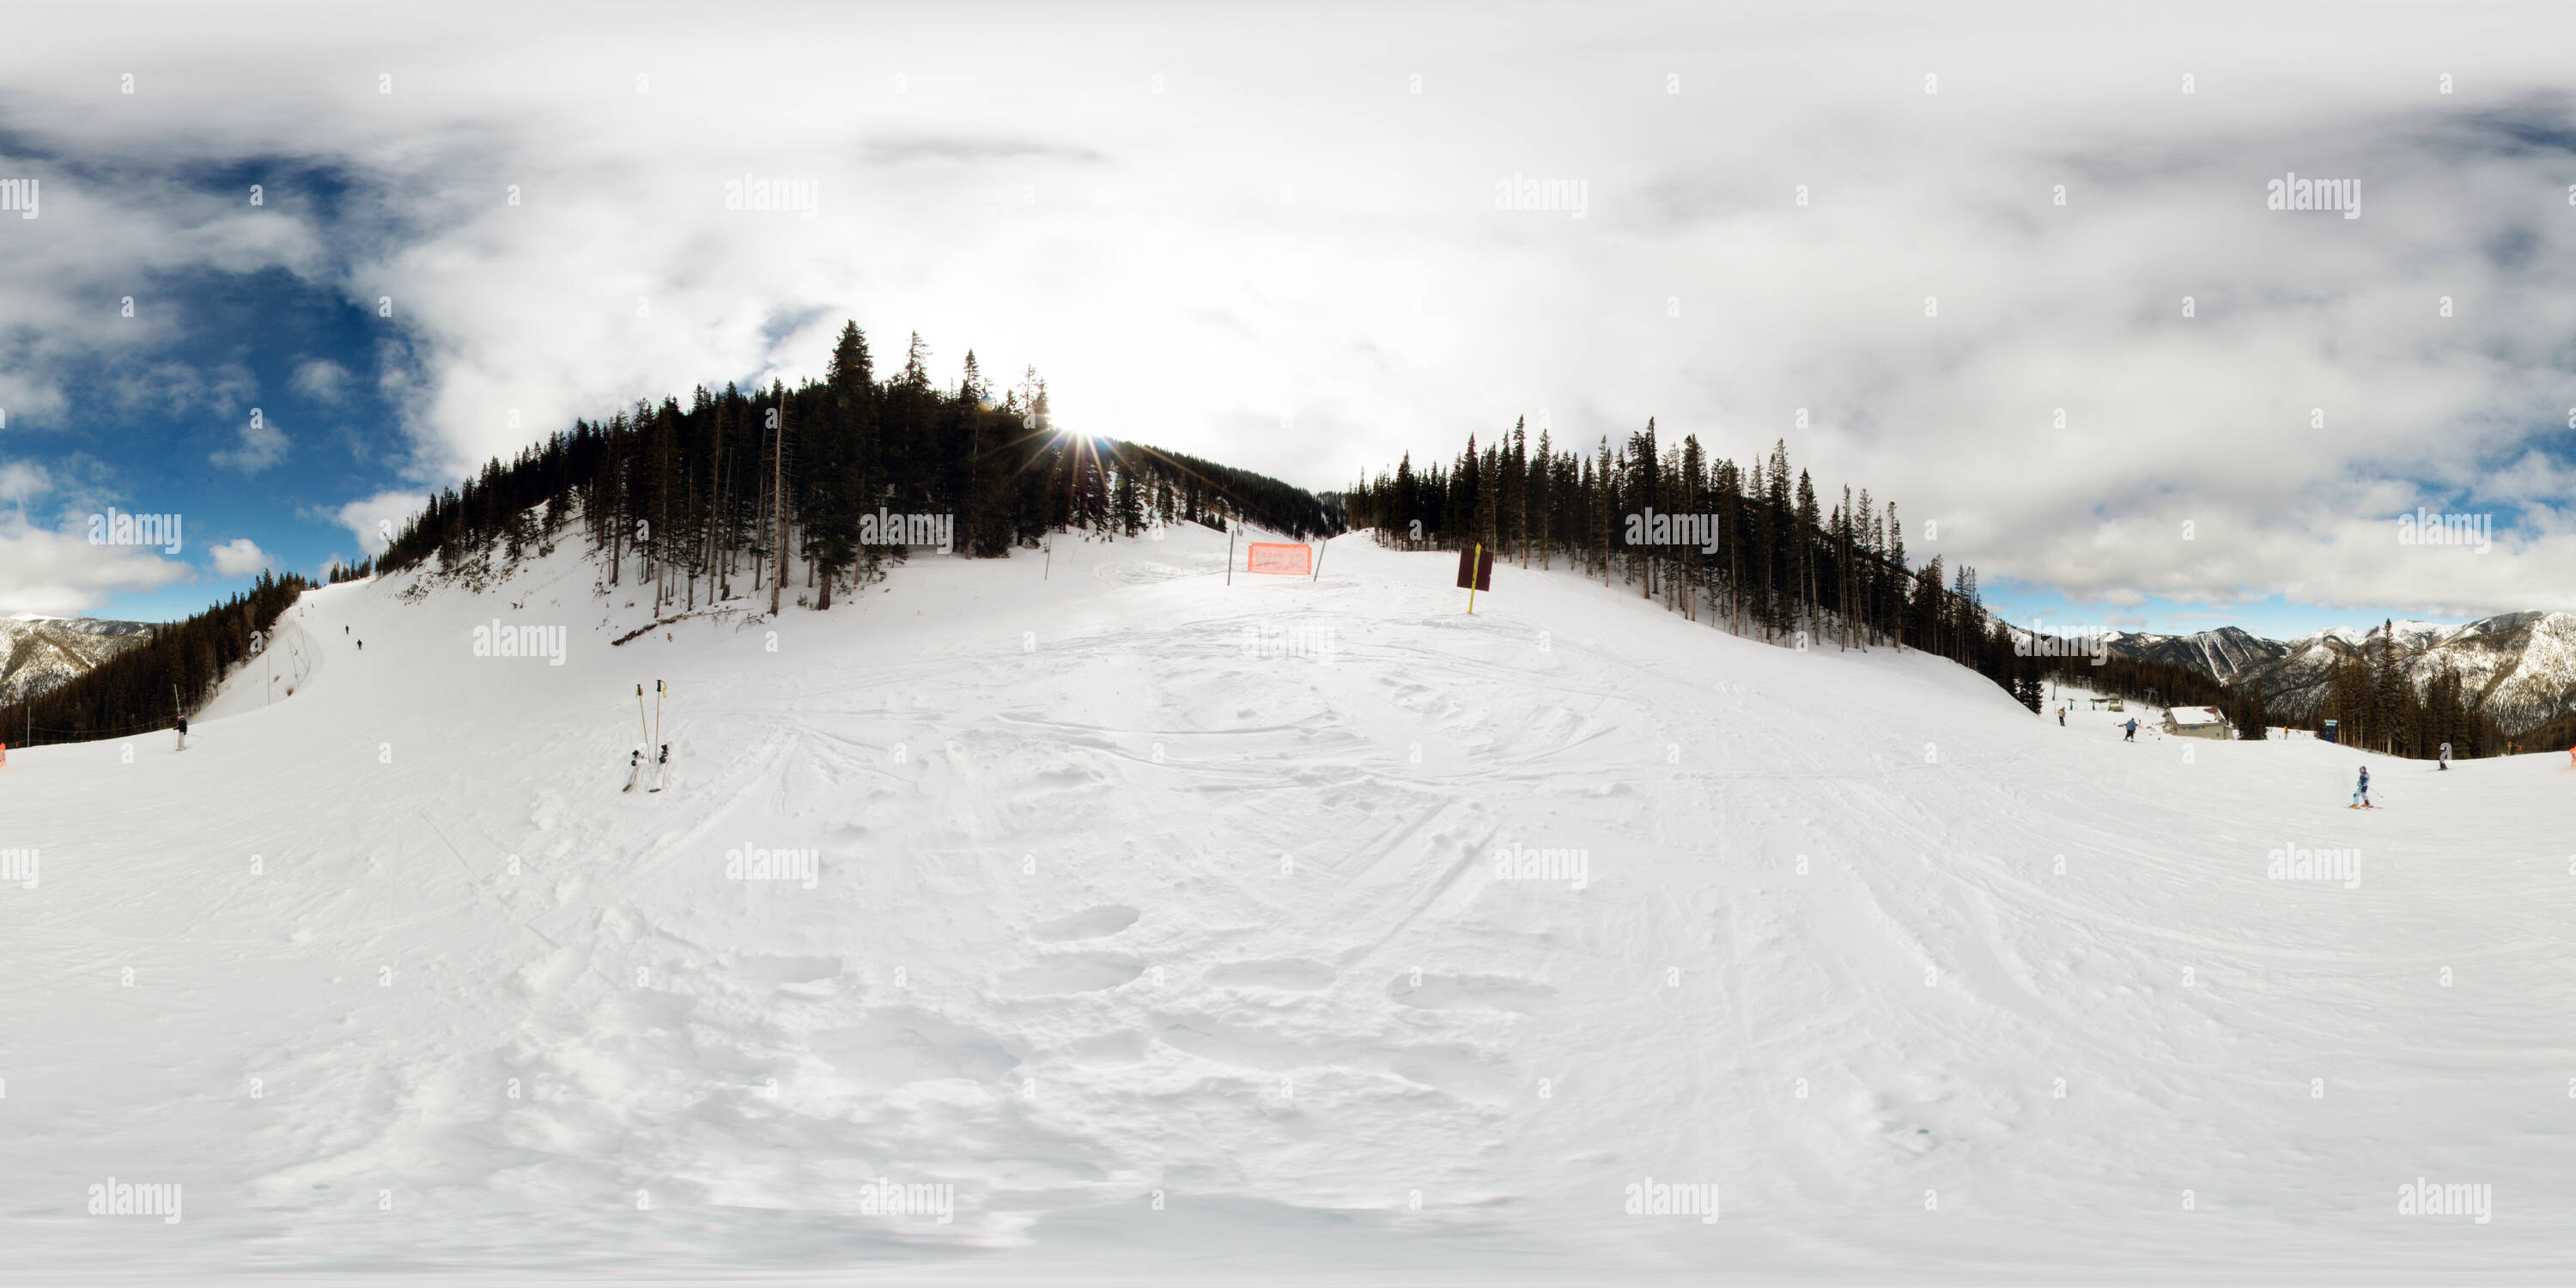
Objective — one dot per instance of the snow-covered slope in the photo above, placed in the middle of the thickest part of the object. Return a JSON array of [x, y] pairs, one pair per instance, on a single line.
[[1198, 931]]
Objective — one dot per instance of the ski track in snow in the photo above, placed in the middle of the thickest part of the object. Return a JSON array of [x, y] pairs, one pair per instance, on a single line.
[[1107, 905]]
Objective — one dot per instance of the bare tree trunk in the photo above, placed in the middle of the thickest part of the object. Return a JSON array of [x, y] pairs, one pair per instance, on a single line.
[[778, 491]]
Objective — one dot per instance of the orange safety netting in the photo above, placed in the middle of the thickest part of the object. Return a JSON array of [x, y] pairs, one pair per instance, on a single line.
[[1271, 556]]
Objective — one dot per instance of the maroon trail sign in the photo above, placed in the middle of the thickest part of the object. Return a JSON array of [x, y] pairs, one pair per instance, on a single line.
[[1476, 569]]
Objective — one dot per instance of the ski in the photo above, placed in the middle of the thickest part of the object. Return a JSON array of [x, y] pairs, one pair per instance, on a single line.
[[662, 762], [634, 768]]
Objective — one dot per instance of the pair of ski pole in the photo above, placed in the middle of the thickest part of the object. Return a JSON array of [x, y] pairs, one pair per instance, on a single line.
[[652, 737]]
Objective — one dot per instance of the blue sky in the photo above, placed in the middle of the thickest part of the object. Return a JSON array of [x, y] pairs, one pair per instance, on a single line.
[[185, 445], [2012, 268]]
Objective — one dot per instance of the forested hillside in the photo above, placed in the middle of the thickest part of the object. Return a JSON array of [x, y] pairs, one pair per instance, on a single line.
[[145, 687], [713, 499], [1787, 567], [40, 654], [750, 498], [1791, 568], [2376, 706]]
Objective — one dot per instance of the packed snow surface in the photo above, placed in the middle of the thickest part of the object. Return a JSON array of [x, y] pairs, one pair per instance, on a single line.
[[1198, 931]]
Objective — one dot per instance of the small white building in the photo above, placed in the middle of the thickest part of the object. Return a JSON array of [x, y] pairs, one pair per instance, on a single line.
[[2198, 722]]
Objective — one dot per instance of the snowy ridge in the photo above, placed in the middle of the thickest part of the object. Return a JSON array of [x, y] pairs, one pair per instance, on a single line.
[[2523, 665], [2225, 653], [1286, 925], [40, 653]]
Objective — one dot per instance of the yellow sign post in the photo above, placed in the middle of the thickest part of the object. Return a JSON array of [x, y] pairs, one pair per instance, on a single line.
[[1475, 573]]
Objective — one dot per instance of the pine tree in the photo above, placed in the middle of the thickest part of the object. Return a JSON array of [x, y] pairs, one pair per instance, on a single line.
[[1516, 488], [2251, 718], [834, 469]]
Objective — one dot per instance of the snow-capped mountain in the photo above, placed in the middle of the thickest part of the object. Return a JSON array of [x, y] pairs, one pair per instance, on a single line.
[[38, 653], [2521, 665], [2226, 652]]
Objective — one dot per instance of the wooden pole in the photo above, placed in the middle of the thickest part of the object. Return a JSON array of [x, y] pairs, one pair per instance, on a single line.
[[1475, 564]]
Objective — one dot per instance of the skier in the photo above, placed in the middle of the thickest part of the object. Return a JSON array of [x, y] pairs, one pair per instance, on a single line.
[[362, 646], [2061, 717], [2132, 735], [2446, 756], [2361, 794], [183, 733]]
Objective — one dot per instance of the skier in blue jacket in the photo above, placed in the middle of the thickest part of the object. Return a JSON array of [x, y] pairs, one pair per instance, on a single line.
[[2361, 793]]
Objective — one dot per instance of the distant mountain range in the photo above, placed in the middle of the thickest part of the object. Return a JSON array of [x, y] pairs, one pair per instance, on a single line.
[[38, 653], [2522, 665]]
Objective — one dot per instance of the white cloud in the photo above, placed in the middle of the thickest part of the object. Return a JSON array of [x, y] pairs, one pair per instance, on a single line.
[[263, 444], [1196, 228], [22, 481], [28, 399], [146, 387], [321, 380], [55, 574], [239, 557], [376, 519]]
